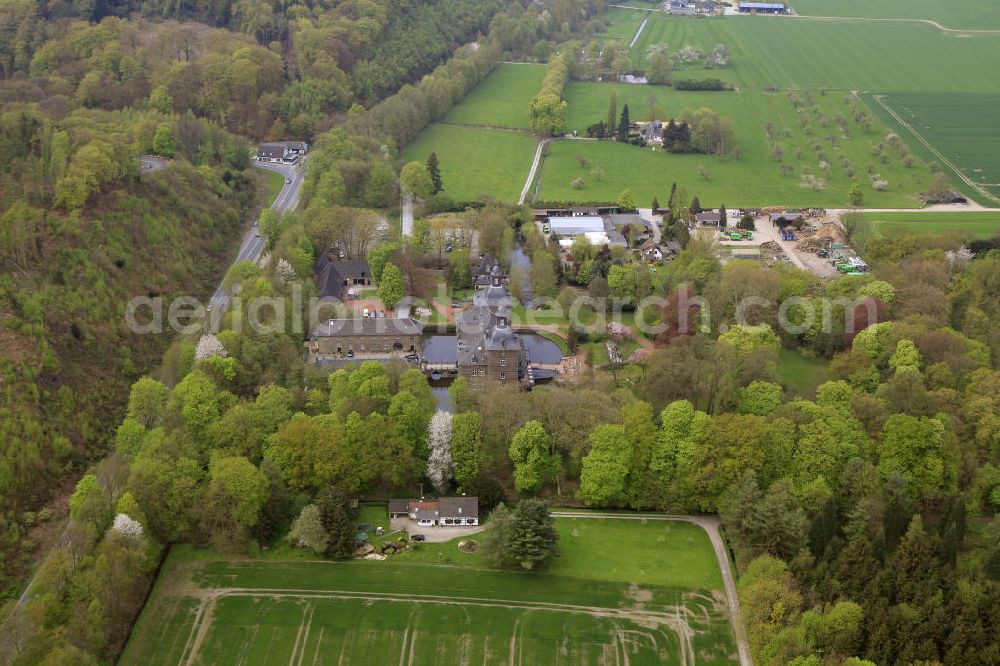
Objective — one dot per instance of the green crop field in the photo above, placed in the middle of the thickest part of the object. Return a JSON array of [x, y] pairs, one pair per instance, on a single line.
[[843, 55], [755, 178], [502, 99], [974, 224], [963, 127], [974, 14], [623, 592], [477, 164]]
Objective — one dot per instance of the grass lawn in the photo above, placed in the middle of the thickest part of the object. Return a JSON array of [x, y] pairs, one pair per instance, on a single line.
[[964, 127], [502, 99], [273, 182], [754, 179], [631, 588], [800, 373], [624, 23], [477, 164], [974, 224], [952, 14]]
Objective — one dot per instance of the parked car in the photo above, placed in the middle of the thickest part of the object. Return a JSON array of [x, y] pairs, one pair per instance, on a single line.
[[449, 247], [288, 181], [350, 353], [382, 314], [418, 537]]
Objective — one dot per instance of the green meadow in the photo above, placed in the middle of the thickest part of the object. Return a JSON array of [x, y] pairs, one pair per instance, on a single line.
[[755, 178], [477, 164], [502, 99], [624, 23], [972, 224], [639, 592]]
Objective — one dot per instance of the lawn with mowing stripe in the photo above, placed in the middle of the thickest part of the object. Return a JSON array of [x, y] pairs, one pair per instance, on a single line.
[[973, 224], [754, 179], [843, 55], [975, 14], [622, 590], [502, 99], [477, 164]]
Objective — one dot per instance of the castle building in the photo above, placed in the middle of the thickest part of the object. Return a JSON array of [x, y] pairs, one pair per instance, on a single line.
[[488, 348]]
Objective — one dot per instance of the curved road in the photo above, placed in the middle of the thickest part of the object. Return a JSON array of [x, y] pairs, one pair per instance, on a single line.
[[250, 250], [252, 245], [711, 525]]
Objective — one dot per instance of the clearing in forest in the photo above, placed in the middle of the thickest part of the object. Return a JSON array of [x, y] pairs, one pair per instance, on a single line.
[[623, 592]]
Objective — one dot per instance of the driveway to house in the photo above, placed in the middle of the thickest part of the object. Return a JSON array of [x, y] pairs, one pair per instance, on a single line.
[[711, 525], [252, 244], [434, 534]]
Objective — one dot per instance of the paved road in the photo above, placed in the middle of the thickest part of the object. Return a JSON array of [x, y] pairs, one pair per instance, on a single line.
[[711, 525], [534, 168], [252, 244], [250, 249], [407, 214], [149, 164]]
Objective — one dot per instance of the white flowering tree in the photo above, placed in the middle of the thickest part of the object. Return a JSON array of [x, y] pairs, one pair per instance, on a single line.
[[439, 463], [308, 531], [719, 57], [285, 271], [265, 260], [208, 346], [127, 526]]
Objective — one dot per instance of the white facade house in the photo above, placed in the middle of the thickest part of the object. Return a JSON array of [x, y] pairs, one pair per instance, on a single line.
[[443, 512]]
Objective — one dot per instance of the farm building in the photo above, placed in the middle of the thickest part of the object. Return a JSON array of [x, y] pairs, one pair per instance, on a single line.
[[577, 225], [708, 218], [342, 280], [783, 219], [763, 8], [442, 512], [364, 335]]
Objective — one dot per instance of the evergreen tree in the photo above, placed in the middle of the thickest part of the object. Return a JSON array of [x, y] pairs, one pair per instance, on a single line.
[[695, 206], [623, 126], [533, 538], [435, 170], [722, 216], [337, 522], [655, 204]]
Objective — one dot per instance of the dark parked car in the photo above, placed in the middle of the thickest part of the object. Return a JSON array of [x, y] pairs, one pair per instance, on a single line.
[[418, 537]]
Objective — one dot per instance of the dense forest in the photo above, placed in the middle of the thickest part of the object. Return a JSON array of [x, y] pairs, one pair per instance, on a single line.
[[86, 89]]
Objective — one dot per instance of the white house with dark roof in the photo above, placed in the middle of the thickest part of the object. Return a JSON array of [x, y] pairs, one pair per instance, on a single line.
[[443, 512]]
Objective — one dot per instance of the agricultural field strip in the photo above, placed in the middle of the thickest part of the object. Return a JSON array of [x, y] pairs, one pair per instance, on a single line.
[[879, 99], [868, 19], [711, 526], [675, 618]]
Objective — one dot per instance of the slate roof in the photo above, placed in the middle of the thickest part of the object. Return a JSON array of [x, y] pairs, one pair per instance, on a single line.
[[458, 507], [388, 326]]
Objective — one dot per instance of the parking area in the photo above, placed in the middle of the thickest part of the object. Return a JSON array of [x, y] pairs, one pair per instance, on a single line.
[[434, 534]]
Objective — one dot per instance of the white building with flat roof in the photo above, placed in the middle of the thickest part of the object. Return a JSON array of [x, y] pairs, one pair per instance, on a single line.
[[577, 225]]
